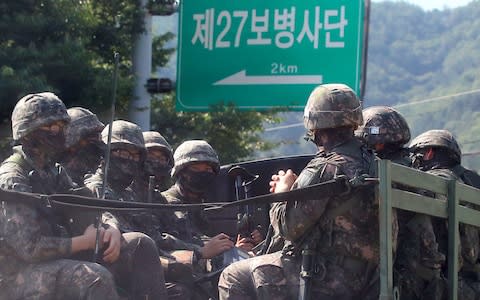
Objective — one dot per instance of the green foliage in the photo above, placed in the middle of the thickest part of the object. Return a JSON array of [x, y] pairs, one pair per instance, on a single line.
[[233, 134], [416, 55], [161, 54], [67, 46]]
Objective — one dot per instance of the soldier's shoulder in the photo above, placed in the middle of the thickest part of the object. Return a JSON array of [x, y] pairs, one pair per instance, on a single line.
[[93, 180], [444, 173], [14, 173], [172, 195]]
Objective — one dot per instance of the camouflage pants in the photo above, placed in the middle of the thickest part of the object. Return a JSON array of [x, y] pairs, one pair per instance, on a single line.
[[179, 279], [62, 279], [138, 269], [274, 276]]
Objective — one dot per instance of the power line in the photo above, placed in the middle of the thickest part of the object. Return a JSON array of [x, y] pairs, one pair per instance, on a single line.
[[471, 153], [438, 98], [451, 96]]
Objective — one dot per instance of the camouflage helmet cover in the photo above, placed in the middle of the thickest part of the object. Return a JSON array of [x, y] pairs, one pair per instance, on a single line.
[[437, 138], [83, 123], [125, 135], [36, 110], [383, 125], [194, 151], [332, 106], [154, 139]]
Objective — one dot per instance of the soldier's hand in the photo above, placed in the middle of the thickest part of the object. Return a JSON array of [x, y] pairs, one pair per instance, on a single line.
[[244, 243], [90, 235], [283, 181], [217, 245], [257, 236], [112, 238], [86, 241]]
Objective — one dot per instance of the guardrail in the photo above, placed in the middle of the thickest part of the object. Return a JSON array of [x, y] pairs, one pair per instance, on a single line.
[[453, 209]]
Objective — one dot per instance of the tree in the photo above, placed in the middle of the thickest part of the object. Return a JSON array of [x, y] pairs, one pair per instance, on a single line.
[[67, 46], [233, 134]]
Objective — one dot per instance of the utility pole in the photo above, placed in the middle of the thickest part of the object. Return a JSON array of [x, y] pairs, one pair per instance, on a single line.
[[139, 111]]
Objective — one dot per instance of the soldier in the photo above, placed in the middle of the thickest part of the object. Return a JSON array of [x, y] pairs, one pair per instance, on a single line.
[[33, 253], [418, 261], [158, 164], [38, 254], [128, 154], [437, 152], [338, 235], [386, 132], [84, 144], [196, 166]]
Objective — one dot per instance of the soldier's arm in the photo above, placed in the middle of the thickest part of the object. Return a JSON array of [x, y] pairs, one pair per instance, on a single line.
[[13, 177], [22, 233], [94, 183], [292, 219]]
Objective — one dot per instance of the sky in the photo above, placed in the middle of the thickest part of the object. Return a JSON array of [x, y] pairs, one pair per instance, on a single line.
[[434, 4]]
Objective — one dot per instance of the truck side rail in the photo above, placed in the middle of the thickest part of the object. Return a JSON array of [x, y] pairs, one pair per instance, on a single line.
[[454, 209]]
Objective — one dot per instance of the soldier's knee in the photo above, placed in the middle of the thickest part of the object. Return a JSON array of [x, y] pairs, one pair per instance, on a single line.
[[94, 272], [235, 281], [142, 240], [94, 281]]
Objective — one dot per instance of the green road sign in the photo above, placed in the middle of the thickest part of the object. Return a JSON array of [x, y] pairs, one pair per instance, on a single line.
[[261, 54]]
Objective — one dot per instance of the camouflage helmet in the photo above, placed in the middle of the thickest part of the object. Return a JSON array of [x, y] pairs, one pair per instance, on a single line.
[[194, 151], [383, 125], [36, 110], [154, 139], [125, 135], [332, 106], [437, 138], [83, 123]]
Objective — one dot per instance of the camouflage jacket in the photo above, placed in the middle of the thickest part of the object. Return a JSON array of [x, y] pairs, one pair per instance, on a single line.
[[157, 223], [153, 223], [19, 173], [349, 232], [469, 235], [30, 234], [126, 220], [191, 226]]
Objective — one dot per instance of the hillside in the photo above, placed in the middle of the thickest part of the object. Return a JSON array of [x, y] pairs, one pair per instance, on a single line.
[[413, 56]]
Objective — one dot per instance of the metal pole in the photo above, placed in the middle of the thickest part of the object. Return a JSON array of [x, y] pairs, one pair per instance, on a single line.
[[142, 68], [385, 220], [453, 240]]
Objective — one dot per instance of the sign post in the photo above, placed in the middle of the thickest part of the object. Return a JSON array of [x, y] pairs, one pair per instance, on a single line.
[[263, 54]]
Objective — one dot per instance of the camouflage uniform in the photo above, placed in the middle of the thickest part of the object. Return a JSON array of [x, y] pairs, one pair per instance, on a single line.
[[161, 172], [192, 226], [34, 247], [84, 145], [418, 260], [190, 188], [342, 231], [446, 163], [147, 191], [126, 135]]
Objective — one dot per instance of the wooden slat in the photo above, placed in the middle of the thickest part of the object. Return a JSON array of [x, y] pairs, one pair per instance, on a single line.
[[469, 216], [418, 179], [418, 203], [468, 194]]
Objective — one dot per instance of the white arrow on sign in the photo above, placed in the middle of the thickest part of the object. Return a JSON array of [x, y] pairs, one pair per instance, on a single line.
[[241, 78]]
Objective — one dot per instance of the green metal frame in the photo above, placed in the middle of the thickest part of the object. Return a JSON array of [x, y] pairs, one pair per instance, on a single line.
[[457, 195]]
